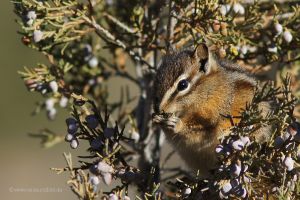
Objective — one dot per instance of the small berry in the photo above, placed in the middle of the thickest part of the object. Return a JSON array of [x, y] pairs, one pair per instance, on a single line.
[[226, 188], [71, 120], [94, 180], [63, 102], [219, 148], [37, 36], [107, 178], [74, 143], [241, 192], [109, 132], [244, 49], [113, 197], [92, 121], [187, 191], [288, 37], [245, 140], [49, 103], [278, 28], [126, 197], [235, 170], [69, 137], [51, 113], [238, 145], [289, 163], [54, 86], [272, 49], [96, 143], [31, 15], [135, 136], [29, 22], [93, 62], [278, 142], [238, 8], [224, 9], [103, 167]]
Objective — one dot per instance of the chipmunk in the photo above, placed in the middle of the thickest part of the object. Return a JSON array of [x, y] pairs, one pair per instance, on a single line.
[[192, 92]]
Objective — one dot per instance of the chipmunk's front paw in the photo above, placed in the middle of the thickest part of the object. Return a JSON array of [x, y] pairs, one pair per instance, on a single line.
[[171, 122]]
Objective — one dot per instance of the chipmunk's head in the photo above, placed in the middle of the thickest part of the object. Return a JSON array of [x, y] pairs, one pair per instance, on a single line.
[[178, 76]]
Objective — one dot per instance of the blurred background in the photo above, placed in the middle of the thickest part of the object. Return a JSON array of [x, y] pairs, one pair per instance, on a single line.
[[24, 164]]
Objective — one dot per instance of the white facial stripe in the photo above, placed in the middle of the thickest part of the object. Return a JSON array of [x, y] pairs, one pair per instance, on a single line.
[[172, 89]]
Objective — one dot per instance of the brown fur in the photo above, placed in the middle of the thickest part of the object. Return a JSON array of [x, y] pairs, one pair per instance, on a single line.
[[223, 89]]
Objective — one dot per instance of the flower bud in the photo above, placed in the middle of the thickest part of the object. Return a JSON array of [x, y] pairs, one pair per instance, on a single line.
[[113, 197], [51, 113], [49, 103], [224, 9]]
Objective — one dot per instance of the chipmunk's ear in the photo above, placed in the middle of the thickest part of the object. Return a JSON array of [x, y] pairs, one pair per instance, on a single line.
[[205, 58]]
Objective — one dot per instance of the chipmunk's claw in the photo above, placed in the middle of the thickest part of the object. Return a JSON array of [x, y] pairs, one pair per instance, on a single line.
[[169, 122]]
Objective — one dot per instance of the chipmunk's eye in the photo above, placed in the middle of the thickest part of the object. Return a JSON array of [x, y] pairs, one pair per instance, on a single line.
[[182, 85]]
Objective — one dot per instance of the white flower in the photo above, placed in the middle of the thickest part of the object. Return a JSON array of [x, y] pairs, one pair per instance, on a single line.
[[31, 15], [53, 85], [245, 140], [63, 102], [238, 8], [278, 28], [287, 36], [93, 62], [37, 36], [74, 143]]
